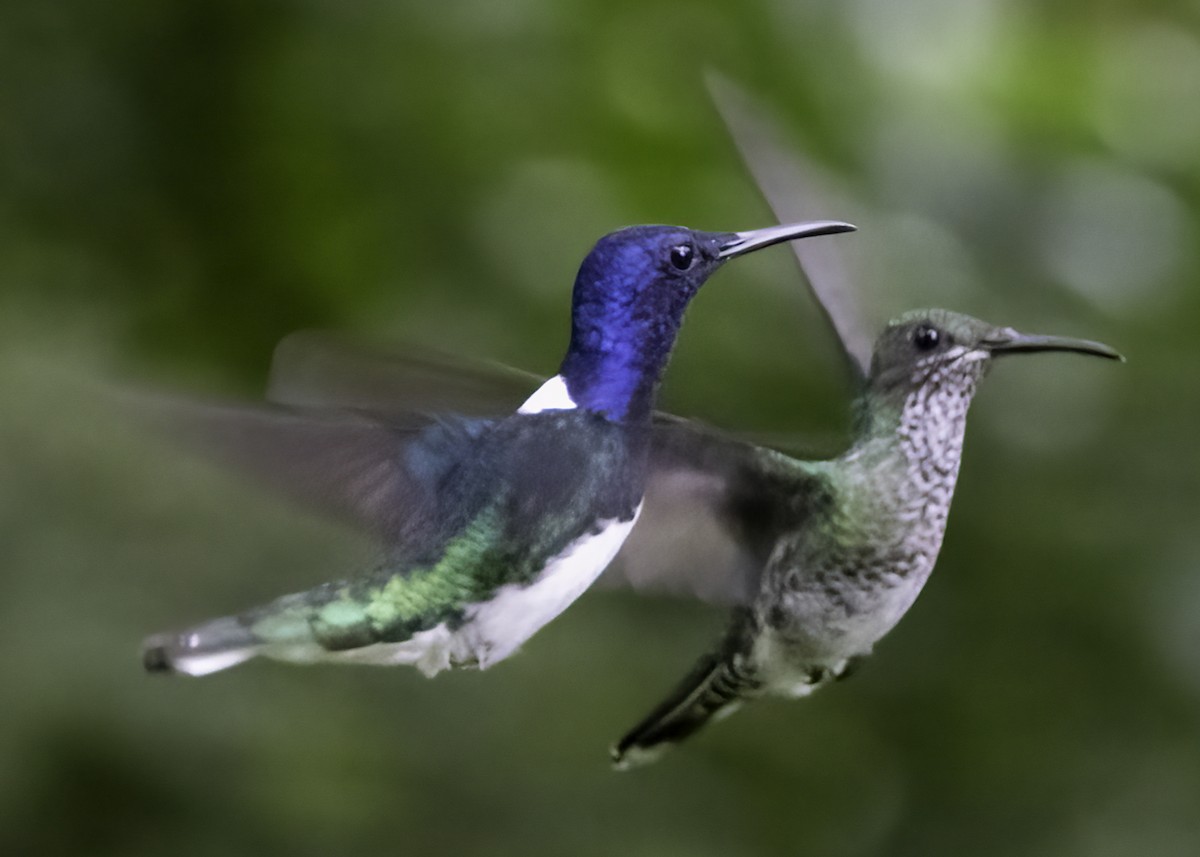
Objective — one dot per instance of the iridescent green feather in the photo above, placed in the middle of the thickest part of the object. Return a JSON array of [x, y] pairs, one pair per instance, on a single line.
[[391, 605]]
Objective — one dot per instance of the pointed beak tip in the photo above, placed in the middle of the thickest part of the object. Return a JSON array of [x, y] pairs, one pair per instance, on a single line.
[[1099, 349], [817, 227]]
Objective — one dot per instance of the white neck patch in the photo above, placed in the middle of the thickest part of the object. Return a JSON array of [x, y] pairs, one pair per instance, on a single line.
[[551, 396]]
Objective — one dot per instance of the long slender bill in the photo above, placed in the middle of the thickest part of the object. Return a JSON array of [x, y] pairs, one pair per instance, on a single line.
[[746, 242], [1013, 342]]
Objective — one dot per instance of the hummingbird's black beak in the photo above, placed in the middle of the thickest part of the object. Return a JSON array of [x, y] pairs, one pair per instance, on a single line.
[[741, 243], [1009, 341]]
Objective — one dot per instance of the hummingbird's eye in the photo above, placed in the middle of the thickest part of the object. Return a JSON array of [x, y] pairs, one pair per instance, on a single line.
[[682, 256], [926, 337]]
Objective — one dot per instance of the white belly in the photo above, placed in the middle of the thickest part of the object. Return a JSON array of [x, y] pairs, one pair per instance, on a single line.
[[497, 627], [494, 629]]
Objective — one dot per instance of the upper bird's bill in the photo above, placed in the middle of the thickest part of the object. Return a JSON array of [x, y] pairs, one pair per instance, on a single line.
[[756, 239]]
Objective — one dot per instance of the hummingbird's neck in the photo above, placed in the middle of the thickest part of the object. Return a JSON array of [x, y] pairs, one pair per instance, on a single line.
[[617, 354], [616, 377], [914, 440], [897, 480]]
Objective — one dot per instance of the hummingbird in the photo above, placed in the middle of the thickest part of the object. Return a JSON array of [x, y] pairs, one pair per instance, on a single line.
[[822, 558], [490, 527]]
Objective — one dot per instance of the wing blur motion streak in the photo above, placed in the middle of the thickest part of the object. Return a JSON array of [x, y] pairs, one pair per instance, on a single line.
[[789, 187], [701, 535], [342, 464], [317, 369], [683, 545]]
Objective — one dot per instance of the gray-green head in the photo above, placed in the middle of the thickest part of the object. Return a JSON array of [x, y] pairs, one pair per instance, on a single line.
[[939, 348]]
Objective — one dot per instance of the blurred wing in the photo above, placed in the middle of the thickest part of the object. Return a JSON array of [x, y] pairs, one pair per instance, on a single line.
[[713, 511], [375, 476], [316, 369], [710, 503], [791, 189], [405, 384]]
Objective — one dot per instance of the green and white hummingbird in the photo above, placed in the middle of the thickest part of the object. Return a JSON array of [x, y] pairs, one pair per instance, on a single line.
[[491, 527]]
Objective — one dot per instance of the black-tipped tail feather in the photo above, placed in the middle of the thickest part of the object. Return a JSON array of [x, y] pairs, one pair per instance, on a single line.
[[714, 688]]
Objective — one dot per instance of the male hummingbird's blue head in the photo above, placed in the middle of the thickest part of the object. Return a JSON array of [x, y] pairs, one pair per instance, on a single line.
[[630, 296]]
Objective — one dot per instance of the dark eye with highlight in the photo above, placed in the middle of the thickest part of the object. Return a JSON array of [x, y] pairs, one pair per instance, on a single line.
[[682, 256], [926, 337]]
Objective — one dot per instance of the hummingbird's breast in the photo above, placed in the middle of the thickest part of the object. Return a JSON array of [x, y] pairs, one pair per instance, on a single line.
[[842, 581]]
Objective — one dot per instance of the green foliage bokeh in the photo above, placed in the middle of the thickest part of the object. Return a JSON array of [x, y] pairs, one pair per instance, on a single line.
[[184, 183]]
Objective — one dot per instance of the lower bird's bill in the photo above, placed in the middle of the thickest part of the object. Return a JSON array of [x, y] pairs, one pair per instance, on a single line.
[[1009, 341]]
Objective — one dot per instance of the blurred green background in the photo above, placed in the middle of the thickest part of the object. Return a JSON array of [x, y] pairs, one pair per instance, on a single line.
[[185, 182]]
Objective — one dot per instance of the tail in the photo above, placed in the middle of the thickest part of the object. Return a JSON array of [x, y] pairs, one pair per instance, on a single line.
[[714, 689], [204, 649], [304, 627]]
